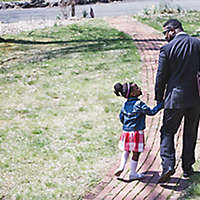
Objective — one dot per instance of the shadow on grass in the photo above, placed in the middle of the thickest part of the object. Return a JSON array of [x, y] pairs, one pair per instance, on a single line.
[[197, 35], [72, 46], [75, 41], [60, 41], [76, 46], [80, 46], [93, 45]]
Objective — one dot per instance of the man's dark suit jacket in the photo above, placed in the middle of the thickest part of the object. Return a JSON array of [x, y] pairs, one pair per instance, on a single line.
[[179, 62]]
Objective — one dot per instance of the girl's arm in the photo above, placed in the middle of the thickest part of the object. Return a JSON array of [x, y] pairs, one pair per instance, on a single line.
[[147, 110], [121, 117]]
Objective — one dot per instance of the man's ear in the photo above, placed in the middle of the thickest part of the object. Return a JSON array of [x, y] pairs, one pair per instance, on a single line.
[[174, 31]]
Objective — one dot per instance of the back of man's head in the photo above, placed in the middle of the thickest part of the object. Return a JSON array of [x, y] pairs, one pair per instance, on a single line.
[[173, 24]]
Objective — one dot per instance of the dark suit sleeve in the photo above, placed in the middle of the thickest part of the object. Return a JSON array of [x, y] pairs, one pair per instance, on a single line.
[[161, 76]]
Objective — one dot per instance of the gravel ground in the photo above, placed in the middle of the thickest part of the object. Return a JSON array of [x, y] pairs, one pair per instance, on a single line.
[[14, 28]]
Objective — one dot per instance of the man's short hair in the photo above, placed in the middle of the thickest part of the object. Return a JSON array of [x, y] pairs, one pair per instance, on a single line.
[[173, 24]]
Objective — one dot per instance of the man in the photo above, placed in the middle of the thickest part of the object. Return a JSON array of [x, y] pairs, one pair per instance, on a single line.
[[176, 85]]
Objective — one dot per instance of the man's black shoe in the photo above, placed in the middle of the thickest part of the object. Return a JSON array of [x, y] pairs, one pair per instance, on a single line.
[[166, 174], [188, 173]]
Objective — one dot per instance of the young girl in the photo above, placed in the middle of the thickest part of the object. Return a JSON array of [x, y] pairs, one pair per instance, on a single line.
[[132, 116]]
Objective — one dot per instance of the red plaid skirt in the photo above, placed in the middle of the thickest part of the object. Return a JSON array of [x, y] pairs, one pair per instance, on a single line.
[[132, 141]]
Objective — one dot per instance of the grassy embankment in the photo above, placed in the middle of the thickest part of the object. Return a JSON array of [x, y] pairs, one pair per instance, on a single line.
[[58, 114], [155, 18]]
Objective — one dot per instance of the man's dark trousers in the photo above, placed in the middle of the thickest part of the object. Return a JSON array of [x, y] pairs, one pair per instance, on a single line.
[[171, 122]]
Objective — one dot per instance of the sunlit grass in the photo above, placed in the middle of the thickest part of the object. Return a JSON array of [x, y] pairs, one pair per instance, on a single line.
[[193, 191], [58, 114], [189, 20]]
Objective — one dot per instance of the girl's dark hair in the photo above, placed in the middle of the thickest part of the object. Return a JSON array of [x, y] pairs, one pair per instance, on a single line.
[[122, 90]]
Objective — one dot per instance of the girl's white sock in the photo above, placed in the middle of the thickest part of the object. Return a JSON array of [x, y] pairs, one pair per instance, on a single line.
[[133, 167], [124, 159]]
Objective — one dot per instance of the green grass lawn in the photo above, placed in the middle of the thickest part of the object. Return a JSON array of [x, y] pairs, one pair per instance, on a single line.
[[58, 114], [191, 24], [193, 192], [190, 20]]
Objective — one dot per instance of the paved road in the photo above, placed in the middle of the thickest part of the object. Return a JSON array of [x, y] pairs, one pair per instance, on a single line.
[[128, 7]]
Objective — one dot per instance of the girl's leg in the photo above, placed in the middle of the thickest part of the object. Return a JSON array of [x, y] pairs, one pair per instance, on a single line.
[[135, 156], [134, 163], [124, 159]]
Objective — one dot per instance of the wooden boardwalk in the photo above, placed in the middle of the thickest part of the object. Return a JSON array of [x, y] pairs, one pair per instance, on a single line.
[[148, 42]]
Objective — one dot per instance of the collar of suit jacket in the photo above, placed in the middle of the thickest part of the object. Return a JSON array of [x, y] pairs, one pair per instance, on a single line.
[[181, 33]]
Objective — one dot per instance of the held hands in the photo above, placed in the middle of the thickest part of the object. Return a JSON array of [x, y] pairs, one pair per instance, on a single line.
[[160, 103]]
